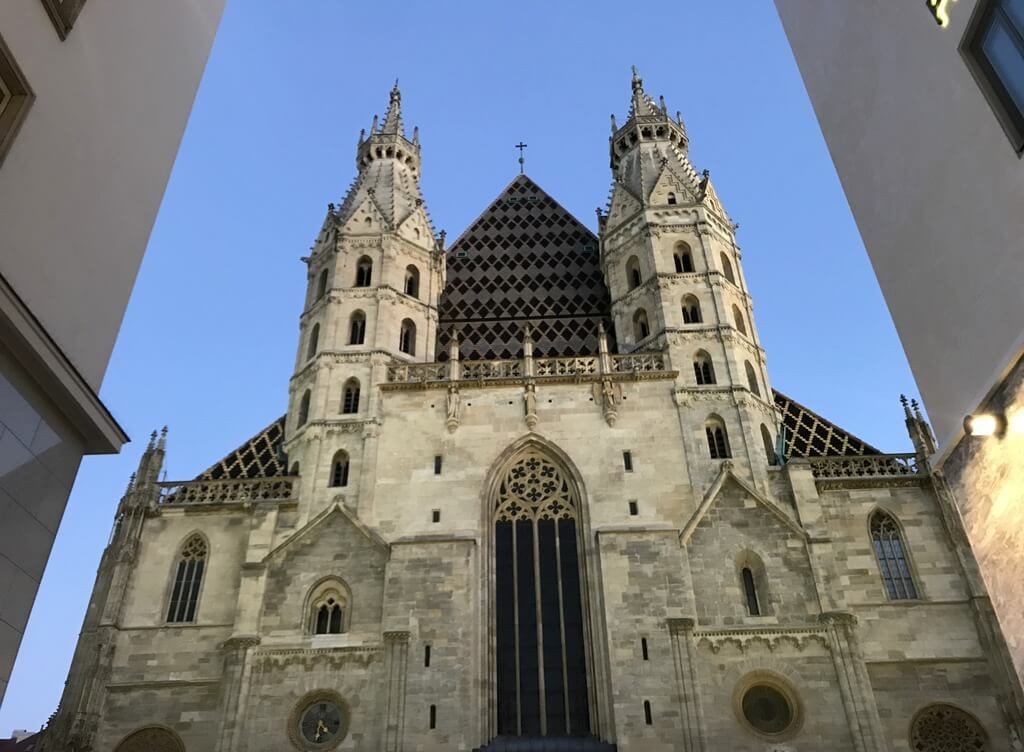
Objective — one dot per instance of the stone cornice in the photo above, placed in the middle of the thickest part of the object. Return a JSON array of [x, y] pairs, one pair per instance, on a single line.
[[523, 380]]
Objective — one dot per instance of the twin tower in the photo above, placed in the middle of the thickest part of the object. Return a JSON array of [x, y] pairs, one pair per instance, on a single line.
[[664, 275]]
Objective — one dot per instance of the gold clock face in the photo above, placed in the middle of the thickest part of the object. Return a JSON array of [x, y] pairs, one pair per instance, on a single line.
[[320, 724]]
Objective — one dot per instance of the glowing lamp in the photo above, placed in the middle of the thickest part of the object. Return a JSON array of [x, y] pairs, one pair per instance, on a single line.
[[982, 425]]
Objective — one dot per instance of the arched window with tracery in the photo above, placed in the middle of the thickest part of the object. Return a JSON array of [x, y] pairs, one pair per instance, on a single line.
[[538, 601], [314, 341], [769, 445], [890, 551], [364, 270], [303, 409], [737, 316], [339, 469], [683, 258], [357, 328], [718, 439], [412, 281], [350, 397], [691, 310], [751, 378], [633, 275], [329, 609], [407, 337], [188, 578], [703, 368], [321, 285], [946, 728], [641, 329], [727, 268]]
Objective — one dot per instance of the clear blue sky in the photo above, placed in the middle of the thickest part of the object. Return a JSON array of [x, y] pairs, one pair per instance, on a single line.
[[209, 338]]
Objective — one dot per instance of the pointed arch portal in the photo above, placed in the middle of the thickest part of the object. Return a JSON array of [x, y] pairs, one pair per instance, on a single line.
[[540, 650]]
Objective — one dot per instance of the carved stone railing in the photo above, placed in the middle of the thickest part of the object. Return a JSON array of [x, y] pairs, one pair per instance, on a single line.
[[490, 369], [413, 372], [865, 467], [641, 362], [566, 366], [227, 491]]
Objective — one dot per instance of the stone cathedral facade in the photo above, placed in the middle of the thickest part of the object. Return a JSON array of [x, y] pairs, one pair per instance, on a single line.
[[534, 491]]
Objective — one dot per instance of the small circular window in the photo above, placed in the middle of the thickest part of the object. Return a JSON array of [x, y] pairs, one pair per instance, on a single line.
[[767, 709], [768, 706]]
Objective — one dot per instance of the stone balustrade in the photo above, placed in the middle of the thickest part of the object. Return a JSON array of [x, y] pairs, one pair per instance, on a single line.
[[227, 491], [865, 467]]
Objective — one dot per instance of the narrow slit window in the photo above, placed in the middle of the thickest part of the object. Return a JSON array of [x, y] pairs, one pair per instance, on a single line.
[[648, 718], [643, 648], [437, 464], [433, 716], [435, 515], [426, 656], [627, 461], [750, 590], [634, 509]]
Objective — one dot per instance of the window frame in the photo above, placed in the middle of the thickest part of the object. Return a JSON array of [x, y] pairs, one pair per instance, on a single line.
[[63, 14], [20, 94], [177, 561], [1007, 112]]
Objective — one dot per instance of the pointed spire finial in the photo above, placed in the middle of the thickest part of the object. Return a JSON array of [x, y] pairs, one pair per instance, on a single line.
[[393, 117], [162, 443], [638, 83], [152, 442]]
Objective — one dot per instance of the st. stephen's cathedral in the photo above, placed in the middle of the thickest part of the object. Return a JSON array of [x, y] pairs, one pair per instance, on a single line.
[[534, 491]]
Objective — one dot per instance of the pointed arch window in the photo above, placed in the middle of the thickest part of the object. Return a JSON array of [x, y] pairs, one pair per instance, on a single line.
[[339, 470], [303, 409], [540, 655], [357, 328], [321, 285], [314, 341], [890, 552], [737, 316], [329, 609], [683, 258], [769, 445], [718, 439], [188, 578], [295, 469], [412, 281], [641, 329], [691, 310], [364, 270], [727, 268], [407, 337], [633, 275], [751, 378], [703, 368], [350, 397]]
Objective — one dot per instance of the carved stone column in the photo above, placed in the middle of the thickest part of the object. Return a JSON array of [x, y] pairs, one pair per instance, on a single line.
[[396, 657], [854, 683], [684, 655]]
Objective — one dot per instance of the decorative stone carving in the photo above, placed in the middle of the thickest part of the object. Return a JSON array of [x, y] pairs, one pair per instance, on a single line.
[[454, 408], [530, 405]]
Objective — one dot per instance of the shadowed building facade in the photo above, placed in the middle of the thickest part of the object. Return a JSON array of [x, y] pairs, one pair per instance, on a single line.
[[533, 491]]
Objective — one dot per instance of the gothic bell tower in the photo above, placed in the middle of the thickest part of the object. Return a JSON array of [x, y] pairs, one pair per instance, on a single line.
[[374, 277], [672, 266]]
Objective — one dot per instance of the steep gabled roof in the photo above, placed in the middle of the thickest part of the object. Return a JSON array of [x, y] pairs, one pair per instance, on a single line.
[[259, 457], [524, 261], [810, 435]]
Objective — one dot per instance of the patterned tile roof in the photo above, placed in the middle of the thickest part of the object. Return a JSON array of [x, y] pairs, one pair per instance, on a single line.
[[810, 435], [525, 260], [259, 457]]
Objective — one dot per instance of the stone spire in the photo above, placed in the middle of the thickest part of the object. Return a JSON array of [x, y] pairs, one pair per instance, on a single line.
[[651, 147], [393, 117]]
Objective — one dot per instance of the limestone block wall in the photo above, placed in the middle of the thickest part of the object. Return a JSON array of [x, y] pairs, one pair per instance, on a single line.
[[986, 476], [191, 709], [902, 689]]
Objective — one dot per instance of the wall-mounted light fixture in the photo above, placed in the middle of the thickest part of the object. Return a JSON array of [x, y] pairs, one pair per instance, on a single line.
[[994, 424]]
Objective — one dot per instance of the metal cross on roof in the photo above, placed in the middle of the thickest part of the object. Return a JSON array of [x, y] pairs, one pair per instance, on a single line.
[[522, 156]]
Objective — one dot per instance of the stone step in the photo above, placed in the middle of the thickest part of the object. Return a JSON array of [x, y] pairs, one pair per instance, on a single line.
[[545, 744]]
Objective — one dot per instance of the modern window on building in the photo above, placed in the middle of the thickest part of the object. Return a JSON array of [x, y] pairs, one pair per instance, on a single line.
[[993, 47], [15, 98]]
